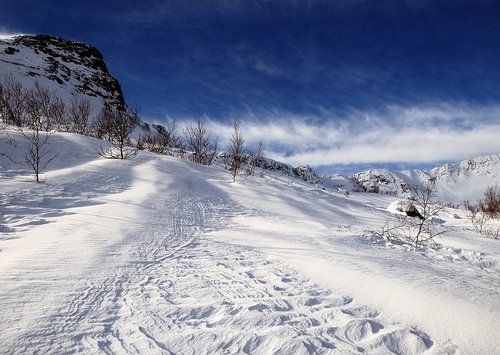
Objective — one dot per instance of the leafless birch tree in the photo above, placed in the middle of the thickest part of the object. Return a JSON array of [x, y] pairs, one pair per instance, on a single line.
[[200, 143], [236, 151]]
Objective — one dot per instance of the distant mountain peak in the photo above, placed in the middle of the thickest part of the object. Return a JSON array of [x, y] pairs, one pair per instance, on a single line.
[[466, 180]]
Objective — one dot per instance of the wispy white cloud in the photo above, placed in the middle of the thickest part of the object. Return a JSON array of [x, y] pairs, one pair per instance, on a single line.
[[403, 146], [419, 135]]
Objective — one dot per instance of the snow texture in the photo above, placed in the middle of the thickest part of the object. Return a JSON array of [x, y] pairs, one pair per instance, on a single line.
[[159, 255]]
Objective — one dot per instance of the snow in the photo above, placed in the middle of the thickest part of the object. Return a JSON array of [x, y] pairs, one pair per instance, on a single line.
[[159, 255]]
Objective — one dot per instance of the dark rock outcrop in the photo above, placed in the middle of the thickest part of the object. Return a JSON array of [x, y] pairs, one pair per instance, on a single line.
[[71, 66]]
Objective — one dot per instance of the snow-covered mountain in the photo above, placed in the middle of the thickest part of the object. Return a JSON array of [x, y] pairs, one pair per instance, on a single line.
[[68, 67], [466, 180], [388, 182]]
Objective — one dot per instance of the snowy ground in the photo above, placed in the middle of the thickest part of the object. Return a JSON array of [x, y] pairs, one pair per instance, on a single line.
[[158, 255]]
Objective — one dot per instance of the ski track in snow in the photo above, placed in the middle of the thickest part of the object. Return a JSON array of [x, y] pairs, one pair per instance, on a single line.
[[168, 288]]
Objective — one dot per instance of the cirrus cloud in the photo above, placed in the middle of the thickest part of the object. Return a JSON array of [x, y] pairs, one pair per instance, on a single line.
[[395, 135]]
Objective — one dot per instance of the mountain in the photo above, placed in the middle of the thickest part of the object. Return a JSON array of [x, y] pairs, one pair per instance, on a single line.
[[68, 67], [466, 180]]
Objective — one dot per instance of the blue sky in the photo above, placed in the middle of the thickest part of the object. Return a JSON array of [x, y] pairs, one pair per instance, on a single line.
[[339, 85]]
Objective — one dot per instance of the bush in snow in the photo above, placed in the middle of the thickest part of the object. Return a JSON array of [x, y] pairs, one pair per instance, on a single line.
[[485, 210], [79, 113], [415, 223], [163, 140], [490, 205], [200, 143], [254, 158]]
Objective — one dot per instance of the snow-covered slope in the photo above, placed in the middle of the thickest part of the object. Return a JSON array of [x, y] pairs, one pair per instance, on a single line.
[[58, 64], [466, 180], [159, 255]]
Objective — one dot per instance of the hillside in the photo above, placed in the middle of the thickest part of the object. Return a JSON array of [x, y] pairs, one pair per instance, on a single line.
[[68, 67], [157, 254]]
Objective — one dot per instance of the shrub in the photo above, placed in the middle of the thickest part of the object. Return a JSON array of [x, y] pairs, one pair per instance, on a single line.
[[485, 210], [491, 203], [416, 224]]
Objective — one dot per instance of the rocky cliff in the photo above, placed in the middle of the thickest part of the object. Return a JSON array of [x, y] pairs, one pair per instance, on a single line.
[[68, 67]]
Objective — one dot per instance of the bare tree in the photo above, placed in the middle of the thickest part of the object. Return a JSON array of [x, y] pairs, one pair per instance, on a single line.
[[255, 158], [115, 125], [59, 114], [479, 219], [490, 205], [37, 154], [7, 138], [201, 144], [416, 225], [12, 101], [485, 210], [45, 108], [3, 125], [79, 113], [236, 151]]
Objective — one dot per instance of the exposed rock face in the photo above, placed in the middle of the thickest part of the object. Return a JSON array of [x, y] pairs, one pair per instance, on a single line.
[[382, 181], [276, 166], [65, 66], [307, 174]]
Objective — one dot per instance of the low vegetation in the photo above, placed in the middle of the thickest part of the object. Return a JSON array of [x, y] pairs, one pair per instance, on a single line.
[[485, 211], [39, 112], [416, 224]]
